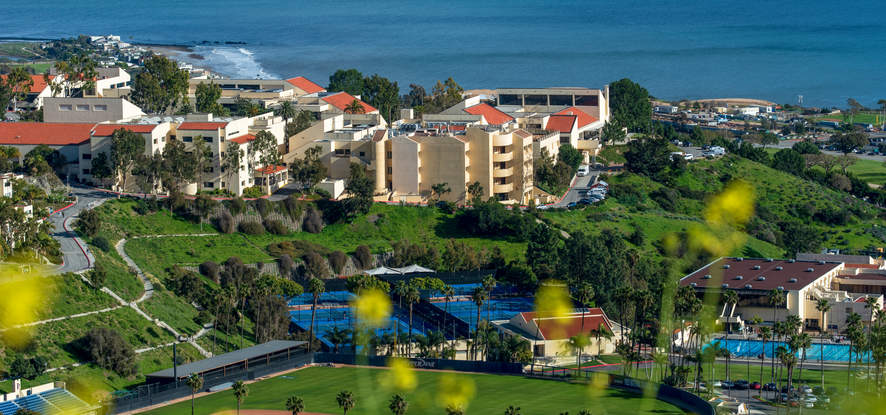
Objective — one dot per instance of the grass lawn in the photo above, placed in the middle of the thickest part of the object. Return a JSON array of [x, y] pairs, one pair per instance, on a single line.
[[37, 68], [20, 49], [154, 255], [871, 171], [318, 387], [862, 117]]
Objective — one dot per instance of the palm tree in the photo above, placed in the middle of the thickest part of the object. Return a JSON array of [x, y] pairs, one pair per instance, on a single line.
[[765, 334], [286, 111], [584, 295], [345, 401], [355, 107], [729, 297], [776, 299], [489, 284], [823, 307], [337, 337], [601, 332], [577, 343], [412, 297], [803, 342], [195, 382], [854, 332], [241, 391], [315, 287], [295, 405], [448, 292], [512, 410], [479, 296], [870, 303], [398, 405]]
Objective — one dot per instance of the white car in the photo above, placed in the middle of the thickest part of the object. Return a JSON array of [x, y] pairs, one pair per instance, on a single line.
[[603, 183], [583, 170], [688, 157]]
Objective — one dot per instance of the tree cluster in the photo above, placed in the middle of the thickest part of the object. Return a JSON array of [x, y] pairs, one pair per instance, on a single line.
[[375, 90]]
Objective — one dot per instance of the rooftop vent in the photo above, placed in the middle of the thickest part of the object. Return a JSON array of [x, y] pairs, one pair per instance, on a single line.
[[821, 262], [707, 276], [761, 278], [792, 280], [792, 261], [739, 259], [768, 259], [693, 285], [725, 285], [738, 277], [756, 267], [748, 286], [726, 266], [780, 288], [810, 269], [779, 268]]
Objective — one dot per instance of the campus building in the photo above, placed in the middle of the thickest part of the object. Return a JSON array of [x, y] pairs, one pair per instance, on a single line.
[[41, 87], [89, 110], [846, 285], [549, 336], [501, 160]]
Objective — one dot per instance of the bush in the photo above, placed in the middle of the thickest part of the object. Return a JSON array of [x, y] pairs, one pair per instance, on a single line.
[[363, 257], [253, 192], [27, 368], [275, 227], [263, 207], [108, 350], [296, 249], [338, 259], [225, 222], [102, 243], [252, 228], [88, 222], [203, 318], [286, 265], [210, 270], [313, 221], [323, 193], [316, 265], [238, 206]]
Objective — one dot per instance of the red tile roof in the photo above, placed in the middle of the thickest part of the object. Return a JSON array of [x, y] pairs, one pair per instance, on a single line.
[[773, 277], [271, 169], [341, 101], [561, 123], [492, 115], [583, 117], [243, 139], [202, 125], [38, 83], [305, 84], [105, 130], [36, 133], [379, 135], [558, 328]]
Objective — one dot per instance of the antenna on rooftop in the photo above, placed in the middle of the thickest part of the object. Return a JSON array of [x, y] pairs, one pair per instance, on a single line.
[[800, 101]]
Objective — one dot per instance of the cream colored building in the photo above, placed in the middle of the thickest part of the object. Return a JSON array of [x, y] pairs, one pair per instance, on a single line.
[[155, 135], [89, 110], [550, 335], [501, 160]]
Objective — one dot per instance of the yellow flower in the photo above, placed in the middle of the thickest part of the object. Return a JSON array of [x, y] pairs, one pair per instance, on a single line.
[[373, 308], [598, 385], [401, 377], [553, 305], [454, 391], [733, 206], [23, 294]]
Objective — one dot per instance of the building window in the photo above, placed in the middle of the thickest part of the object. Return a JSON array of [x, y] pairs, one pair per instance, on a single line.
[[82, 107], [561, 100], [535, 99], [390, 170], [208, 169], [362, 154], [100, 107], [586, 101], [223, 185], [207, 139], [86, 171], [65, 107], [390, 155], [187, 139], [208, 184], [501, 196], [87, 156], [509, 99]]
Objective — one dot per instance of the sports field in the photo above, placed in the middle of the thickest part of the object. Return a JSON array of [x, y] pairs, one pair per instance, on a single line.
[[318, 386]]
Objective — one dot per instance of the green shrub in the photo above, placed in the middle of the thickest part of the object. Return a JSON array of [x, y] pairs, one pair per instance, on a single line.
[[275, 227], [252, 228], [253, 192], [102, 243]]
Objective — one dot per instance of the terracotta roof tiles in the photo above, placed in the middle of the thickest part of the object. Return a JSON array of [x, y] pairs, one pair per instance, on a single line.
[[492, 115], [36, 133]]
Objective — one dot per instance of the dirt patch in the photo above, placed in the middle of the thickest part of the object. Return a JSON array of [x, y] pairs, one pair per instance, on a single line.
[[264, 412]]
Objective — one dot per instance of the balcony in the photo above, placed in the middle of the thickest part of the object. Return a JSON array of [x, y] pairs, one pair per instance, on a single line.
[[500, 157], [508, 172], [502, 188]]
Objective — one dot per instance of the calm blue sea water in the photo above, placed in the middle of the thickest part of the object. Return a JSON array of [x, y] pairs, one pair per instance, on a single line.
[[827, 51]]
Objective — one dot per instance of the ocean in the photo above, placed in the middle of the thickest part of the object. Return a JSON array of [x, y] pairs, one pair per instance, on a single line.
[[825, 51]]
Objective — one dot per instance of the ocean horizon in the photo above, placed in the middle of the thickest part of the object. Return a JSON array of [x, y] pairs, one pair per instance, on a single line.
[[677, 50]]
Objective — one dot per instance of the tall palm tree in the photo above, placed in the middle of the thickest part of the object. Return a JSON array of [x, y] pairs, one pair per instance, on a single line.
[[804, 341], [412, 297], [577, 343], [729, 297], [489, 284], [788, 358], [286, 111], [854, 332], [823, 307], [601, 332], [346, 401], [398, 405], [479, 297], [584, 295], [195, 382], [315, 287], [765, 334], [337, 337], [776, 299], [870, 303], [448, 292], [295, 405], [241, 391]]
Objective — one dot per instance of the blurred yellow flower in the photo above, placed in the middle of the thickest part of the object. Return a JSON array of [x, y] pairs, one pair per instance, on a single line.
[[733, 206], [598, 385], [552, 304], [453, 391], [373, 308], [401, 376], [24, 293]]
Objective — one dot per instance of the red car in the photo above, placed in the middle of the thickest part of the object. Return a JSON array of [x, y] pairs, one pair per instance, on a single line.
[[756, 386]]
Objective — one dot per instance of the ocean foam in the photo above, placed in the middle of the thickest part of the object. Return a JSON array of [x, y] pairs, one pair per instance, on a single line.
[[235, 62]]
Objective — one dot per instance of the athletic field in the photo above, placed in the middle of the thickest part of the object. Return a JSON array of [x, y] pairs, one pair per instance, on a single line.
[[318, 386]]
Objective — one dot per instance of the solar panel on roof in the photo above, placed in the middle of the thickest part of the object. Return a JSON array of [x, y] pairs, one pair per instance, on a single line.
[[8, 408]]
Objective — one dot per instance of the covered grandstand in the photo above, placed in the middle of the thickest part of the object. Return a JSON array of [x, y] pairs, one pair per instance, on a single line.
[[239, 360], [50, 402]]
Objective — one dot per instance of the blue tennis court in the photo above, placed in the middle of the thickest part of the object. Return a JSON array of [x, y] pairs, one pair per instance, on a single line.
[[498, 309], [753, 348]]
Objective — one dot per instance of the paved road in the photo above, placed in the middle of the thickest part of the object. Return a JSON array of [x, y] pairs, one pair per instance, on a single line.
[[63, 223], [579, 183]]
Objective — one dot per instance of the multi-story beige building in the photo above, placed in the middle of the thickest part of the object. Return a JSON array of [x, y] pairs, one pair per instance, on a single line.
[[155, 135], [501, 160], [89, 110]]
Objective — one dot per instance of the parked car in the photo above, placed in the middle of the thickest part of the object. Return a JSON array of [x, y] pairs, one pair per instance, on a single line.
[[727, 384], [688, 157], [769, 387], [740, 384], [583, 170], [718, 384], [810, 398], [756, 386], [805, 389]]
